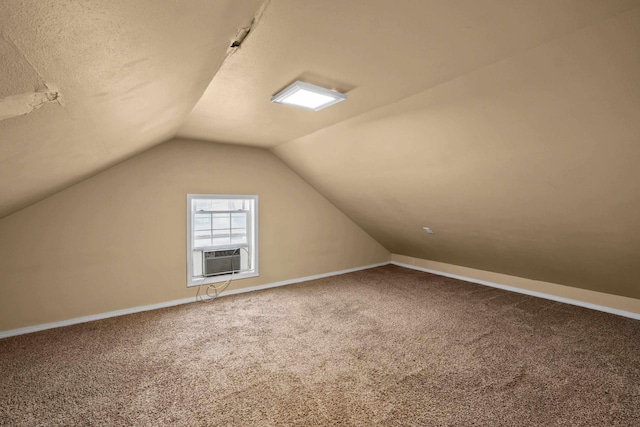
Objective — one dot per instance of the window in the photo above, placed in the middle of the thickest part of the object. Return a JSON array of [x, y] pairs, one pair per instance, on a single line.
[[222, 237]]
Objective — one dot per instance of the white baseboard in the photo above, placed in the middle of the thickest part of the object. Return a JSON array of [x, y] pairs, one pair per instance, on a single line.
[[565, 300], [83, 319], [300, 280]]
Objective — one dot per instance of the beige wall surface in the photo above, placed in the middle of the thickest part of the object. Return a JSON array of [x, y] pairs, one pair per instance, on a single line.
[[118, 239]]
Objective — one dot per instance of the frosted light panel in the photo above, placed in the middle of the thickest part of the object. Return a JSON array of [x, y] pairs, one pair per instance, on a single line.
[[308, 96], [304, 98]]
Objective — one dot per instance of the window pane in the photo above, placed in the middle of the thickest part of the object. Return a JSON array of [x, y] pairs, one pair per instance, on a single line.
[[201, 238], [202, 234], [220, 241], [201, 243], [202, 222], [239, 239], [239, 227], [235, 204], [201, 205], [210, 205], [222, 234], [239, 220], [221, 221]]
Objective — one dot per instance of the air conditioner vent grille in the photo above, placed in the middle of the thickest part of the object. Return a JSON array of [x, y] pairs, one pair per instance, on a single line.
[[225, 261]]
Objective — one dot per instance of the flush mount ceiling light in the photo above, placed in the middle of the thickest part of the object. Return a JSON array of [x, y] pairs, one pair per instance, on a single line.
[[308, 96]]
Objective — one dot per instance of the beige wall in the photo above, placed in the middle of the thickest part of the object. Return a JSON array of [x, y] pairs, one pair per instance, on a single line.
[[118, 239], [553, 290]]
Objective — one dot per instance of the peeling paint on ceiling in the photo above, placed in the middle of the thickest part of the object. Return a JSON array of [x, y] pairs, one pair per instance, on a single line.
[[25, 103], [129, 71]]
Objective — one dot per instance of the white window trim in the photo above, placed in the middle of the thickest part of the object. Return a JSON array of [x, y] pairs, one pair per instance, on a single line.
[[198, 281]]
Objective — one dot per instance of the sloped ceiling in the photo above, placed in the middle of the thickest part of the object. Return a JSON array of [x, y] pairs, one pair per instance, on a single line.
[[510, 127], [527, 166], [378, 51], [84, 85]]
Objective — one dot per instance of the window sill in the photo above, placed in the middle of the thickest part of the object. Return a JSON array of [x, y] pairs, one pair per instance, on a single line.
[[219, 279]]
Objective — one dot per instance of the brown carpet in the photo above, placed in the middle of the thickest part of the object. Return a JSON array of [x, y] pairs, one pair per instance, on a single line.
[[381, 347]]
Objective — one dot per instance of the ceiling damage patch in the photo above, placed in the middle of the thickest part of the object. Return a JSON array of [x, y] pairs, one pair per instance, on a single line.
[[243, 32], [25, 103]]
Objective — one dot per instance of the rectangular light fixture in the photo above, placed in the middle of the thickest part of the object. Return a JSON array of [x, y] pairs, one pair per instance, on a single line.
[[310, 97]]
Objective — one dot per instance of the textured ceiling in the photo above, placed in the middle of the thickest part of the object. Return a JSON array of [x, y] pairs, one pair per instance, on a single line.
[[86, 84], [510, 127]]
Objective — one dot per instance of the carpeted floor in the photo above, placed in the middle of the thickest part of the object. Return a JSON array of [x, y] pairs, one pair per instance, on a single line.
[[381, 347]]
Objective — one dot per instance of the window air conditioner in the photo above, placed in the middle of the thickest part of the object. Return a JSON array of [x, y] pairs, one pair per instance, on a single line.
[[225, 261]]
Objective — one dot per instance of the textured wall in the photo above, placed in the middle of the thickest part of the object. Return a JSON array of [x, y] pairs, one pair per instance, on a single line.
[[118, 239]]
